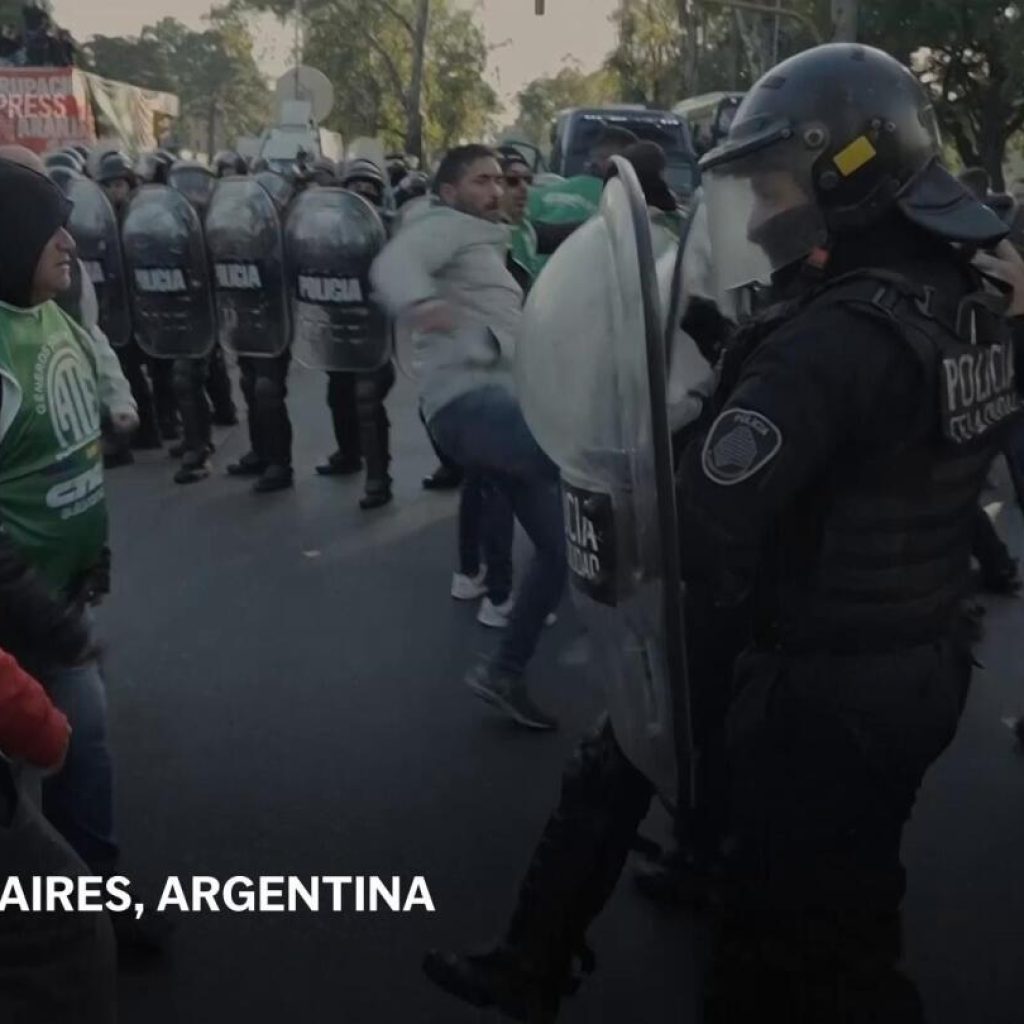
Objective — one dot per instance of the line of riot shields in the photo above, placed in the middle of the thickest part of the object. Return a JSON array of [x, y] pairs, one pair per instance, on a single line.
[[239, 261]]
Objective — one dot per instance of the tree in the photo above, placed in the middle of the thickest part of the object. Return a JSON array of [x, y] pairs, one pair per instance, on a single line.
[[543, 98], [411, 71], [667, 50], [213, 72], [459, 103], [968, 55]]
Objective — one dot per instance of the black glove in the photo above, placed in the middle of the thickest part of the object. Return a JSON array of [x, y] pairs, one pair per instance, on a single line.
[[703, 321]]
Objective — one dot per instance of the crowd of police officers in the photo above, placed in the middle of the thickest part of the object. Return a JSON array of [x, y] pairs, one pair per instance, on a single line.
[[190, 261]]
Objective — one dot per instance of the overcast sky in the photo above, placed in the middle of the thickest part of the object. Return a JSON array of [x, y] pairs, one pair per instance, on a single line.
[[571, 28]]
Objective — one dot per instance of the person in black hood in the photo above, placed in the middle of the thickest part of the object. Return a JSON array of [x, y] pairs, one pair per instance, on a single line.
[[34, 211]]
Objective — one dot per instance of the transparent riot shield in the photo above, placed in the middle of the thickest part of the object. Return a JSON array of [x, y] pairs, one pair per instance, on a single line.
[[93, 225], [245, 242], [591, 376], [332, 237], [168, 275]]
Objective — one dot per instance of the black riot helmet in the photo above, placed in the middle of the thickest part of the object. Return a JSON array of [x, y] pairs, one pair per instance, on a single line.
[[834, 140], [323, 172], [228, 163], [365, 178], [62, 177], [114, 166], [195, 181], [72, 161], [152, 168]]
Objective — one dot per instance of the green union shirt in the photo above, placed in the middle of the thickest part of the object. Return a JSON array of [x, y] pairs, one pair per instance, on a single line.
[[52, 500]]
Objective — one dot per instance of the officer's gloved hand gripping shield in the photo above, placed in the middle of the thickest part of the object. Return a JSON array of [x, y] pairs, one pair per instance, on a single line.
[[245, 240], [591, 376]]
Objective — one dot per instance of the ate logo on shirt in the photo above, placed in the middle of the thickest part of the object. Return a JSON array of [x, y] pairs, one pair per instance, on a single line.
[[741, 443], [65, 390]]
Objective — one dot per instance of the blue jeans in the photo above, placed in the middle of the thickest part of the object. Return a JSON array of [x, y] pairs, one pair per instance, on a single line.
[[486, 525], [484, 432], [78, 800]]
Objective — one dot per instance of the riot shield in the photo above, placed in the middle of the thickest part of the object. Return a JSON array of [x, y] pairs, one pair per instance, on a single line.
[[246, 247], [591, 376], [277, 186], [195, 182], [93, 225], [331, 239], [168, 276]]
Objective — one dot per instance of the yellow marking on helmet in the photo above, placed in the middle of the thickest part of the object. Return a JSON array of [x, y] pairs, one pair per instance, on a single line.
[[855, 156]]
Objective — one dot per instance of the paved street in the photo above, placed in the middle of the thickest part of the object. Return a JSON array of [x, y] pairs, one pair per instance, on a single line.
[[284, 676]]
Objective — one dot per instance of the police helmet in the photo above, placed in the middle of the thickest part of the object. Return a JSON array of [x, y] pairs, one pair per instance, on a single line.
[[227, 162], [114, 166], [833, 140]]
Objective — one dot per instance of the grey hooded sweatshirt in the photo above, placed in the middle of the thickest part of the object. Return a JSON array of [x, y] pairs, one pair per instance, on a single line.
[[440, 253]]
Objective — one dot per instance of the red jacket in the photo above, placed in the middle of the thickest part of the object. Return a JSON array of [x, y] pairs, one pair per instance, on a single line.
[[31, 728]]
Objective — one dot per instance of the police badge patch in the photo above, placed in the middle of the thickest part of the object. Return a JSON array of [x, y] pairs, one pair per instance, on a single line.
[[739, 444]]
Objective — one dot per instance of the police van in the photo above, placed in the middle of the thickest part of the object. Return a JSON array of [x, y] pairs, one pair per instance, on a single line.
[[576, 131]]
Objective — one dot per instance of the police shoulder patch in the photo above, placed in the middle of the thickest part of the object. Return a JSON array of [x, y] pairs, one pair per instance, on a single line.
[[740, 443]]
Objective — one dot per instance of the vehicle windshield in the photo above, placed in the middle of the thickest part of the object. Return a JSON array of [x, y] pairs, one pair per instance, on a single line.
[[669, 132]]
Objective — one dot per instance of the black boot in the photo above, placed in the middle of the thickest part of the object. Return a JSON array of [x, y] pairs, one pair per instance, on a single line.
[[377, 498], [274, 478], [571, 876], [444, 478], [250, 464], [340, 465], [195, 466]]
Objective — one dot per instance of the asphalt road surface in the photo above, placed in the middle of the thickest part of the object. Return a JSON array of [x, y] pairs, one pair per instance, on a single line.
[[286, 699]]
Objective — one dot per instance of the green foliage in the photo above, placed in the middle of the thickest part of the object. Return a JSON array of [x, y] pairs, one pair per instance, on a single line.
[[969, 57], [213, 72], [368, 48]]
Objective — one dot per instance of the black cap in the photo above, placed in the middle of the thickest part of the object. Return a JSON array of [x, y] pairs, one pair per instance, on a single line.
[[649, 162]]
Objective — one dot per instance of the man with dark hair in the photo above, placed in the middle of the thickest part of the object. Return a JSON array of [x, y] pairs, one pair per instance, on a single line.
[[522, 237], [446, 272]]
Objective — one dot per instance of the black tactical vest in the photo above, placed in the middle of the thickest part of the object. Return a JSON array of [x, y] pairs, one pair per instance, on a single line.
[[878, 556]]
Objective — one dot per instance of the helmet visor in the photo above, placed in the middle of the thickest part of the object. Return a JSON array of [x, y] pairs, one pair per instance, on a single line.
[[762, 213]]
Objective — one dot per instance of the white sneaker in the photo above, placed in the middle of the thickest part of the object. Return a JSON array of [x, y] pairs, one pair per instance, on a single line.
[[469, 588], [495, 616]]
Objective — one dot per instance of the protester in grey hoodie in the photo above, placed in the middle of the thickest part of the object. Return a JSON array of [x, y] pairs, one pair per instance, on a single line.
[[446, 272]]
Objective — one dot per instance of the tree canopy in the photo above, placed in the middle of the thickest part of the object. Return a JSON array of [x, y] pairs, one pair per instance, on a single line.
[[214, 73], [412, 71], [966, 52]]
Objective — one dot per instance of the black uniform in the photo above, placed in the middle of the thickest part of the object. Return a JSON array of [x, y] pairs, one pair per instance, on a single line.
[[832, 500]]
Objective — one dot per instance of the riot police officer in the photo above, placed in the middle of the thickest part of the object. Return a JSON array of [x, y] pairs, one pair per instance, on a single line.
[[356, 400], [833, 488], [116, 175], [227, 162], [264, 381]]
